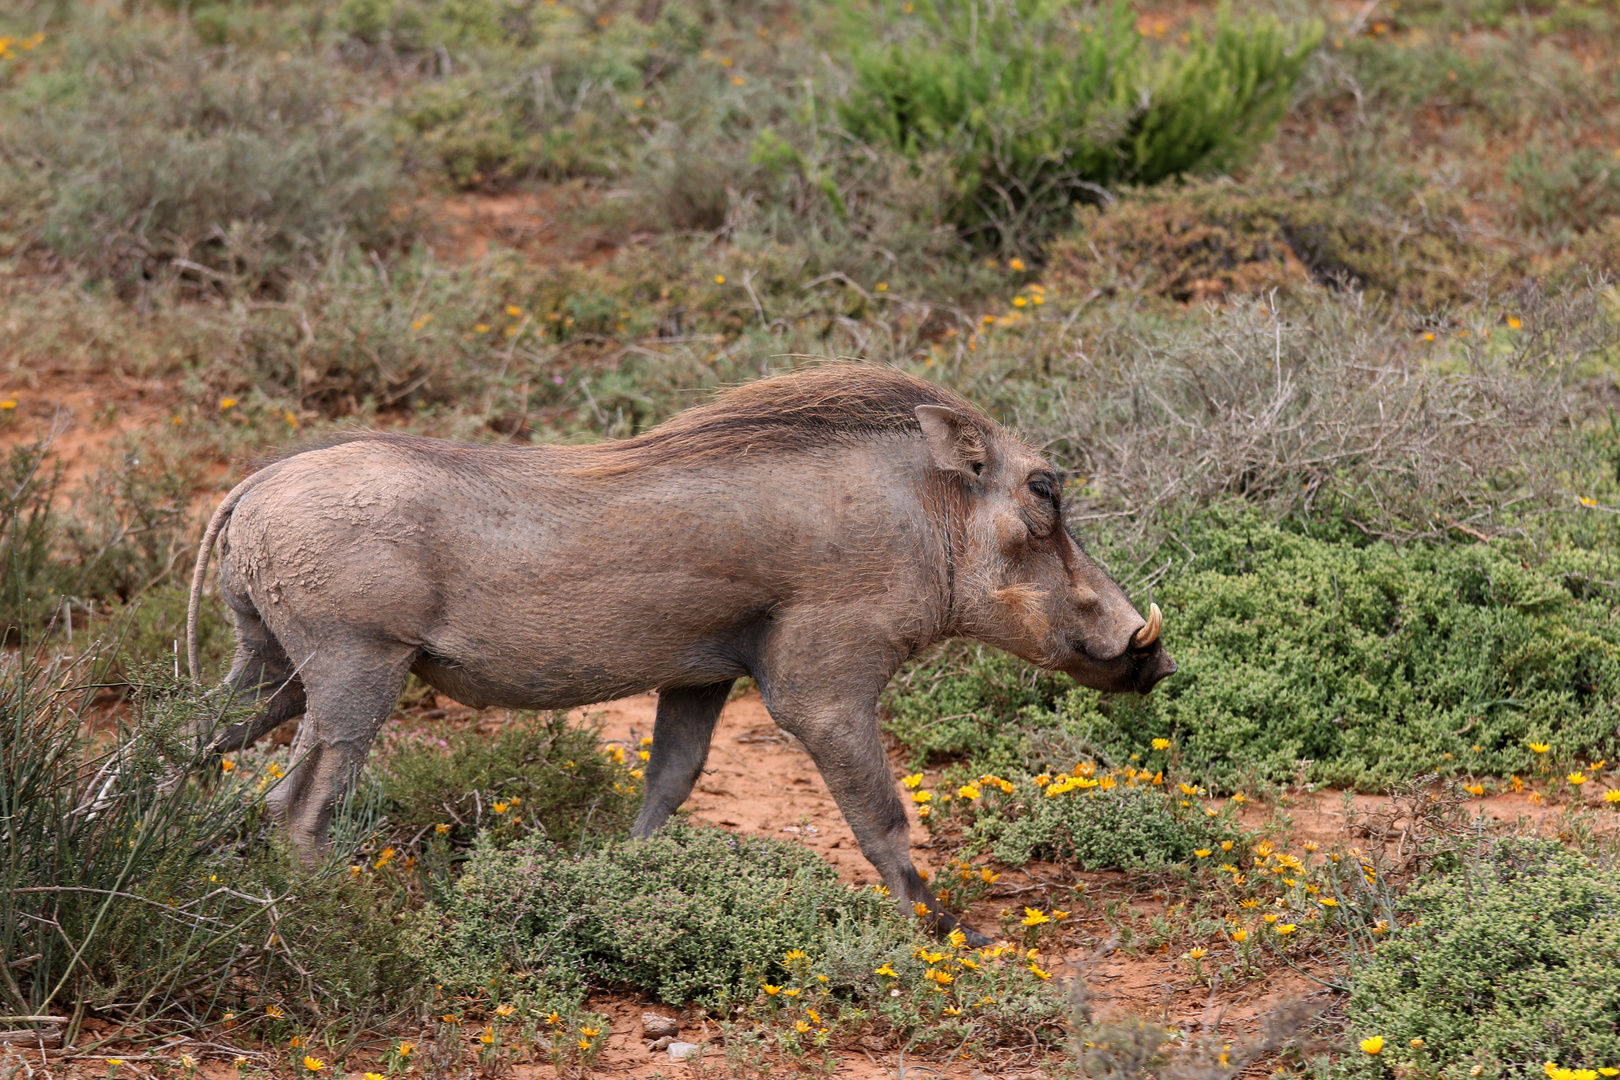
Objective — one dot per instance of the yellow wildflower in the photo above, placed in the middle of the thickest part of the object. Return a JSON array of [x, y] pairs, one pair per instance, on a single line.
[[226, 403], [801, 1027], [501, 807], [772, 990], [1576, 779], [913, 781], [487, 1036], [314, 1064], [1327, 901], [1197, 953], [991, 879], [1374, 1045], [1612, 795], [887, 970], [1035, 969], [1032, 917], [1286, 928], [273, 1012], [1240, 936], [968, 791], [1540, 747], [921, 796], [1203, 853], [1161, 744]]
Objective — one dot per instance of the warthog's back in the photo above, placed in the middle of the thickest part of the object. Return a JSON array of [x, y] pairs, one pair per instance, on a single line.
[[532, 577]]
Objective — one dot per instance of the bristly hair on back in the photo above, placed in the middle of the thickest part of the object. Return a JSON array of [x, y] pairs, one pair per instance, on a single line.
[[816, 406]]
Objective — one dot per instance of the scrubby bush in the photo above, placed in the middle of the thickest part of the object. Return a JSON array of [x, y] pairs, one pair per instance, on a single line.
[[152, 157], [1034, 109], [536, 773], [1504, 966], [1203, 241], [697, 914], [1350, 662]]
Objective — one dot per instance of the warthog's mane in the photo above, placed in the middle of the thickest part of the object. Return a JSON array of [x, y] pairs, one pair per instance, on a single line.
[[825, 405], [818, 406]]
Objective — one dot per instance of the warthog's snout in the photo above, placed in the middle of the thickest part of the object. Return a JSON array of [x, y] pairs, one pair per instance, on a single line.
[[1139, 664]]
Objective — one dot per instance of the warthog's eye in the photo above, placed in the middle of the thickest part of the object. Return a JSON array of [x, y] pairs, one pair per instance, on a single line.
[[1044, 488]]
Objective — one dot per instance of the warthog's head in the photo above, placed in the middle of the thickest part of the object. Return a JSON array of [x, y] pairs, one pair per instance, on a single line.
[[1022, 583]]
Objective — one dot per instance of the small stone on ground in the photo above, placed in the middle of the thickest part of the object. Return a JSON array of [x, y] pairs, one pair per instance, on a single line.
[[678, 1051]]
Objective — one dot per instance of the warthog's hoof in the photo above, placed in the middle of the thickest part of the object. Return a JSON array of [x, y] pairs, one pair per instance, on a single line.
[[974, 938]]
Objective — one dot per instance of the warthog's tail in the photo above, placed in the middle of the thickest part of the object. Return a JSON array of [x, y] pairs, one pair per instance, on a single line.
[[206, 549]]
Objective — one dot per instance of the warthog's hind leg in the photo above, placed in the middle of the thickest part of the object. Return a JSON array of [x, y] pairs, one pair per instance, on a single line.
[[262, 673], [681, 734], [352, 690]]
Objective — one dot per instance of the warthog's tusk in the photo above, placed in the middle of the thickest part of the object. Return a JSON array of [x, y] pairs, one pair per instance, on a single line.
[[1150, 632]]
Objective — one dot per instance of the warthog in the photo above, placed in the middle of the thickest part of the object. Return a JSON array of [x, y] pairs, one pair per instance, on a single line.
[[814, 531]]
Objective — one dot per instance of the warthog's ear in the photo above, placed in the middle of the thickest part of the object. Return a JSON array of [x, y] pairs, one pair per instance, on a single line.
[[953, 441]]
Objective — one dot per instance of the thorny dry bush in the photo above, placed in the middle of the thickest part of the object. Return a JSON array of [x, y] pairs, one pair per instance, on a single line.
[[1331, 407]]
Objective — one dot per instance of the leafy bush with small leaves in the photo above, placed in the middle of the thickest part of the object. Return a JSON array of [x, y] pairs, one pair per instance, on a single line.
[[1034, 107], [1503, 965], [1358, 663], [537, 773], [966, 701], [1095, 819], [698, 914]]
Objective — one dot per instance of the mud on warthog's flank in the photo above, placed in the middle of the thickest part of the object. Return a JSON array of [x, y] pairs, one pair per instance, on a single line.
[[813, 531]]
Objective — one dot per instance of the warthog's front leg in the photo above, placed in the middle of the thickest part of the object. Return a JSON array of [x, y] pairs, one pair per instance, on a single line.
[[844, 741], [681, 733]]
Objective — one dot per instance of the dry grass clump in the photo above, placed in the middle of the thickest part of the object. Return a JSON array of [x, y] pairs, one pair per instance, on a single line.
[[1332, 407]]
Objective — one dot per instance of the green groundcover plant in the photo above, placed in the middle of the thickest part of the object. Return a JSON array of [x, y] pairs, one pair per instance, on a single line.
[[698, 914], [1507, 965], [1357, 663]]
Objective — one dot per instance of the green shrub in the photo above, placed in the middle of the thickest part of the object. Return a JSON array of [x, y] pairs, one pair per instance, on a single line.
[[966, 701], [1358, 663], [698, 914], [29, 477], [1508, 963], [135, 888], [1124, 819], [537, 773], [1034, 109]]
